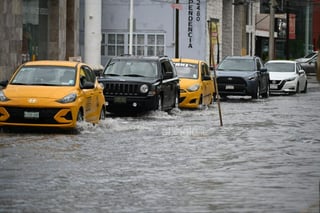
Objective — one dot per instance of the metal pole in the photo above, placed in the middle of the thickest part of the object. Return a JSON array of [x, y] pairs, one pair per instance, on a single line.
[[177, 32], [214, 71], [131, 27], [271, 31]]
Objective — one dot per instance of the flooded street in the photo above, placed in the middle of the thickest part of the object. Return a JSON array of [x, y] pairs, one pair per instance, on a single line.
[[266, 158]]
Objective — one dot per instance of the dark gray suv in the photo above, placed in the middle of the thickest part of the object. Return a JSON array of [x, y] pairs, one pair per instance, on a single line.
[[136, 84], [244, 76]]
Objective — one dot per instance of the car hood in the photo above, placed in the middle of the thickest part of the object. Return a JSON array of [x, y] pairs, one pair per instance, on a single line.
[[127, 79], [227, 73], [23, 91], [281, 75]]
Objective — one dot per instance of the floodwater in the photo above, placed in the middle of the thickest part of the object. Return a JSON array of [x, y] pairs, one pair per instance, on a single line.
[[266, 158]]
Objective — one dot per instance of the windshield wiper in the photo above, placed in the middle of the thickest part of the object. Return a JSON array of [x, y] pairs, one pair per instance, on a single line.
[[112, 74], [134, 75]]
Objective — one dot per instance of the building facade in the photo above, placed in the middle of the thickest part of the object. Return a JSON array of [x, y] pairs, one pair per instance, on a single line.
[[37, 29], [202, 29]]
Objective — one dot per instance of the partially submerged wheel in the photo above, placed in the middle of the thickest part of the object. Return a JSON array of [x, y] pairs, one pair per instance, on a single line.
[[102, 113], [160, 103]]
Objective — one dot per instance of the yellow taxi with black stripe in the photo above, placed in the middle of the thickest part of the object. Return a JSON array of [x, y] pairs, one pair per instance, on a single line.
[[196, 83], [51, 94]]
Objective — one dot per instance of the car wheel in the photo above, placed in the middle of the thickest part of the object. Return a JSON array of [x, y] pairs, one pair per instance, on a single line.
[[102, 113], [176, 101], [297, 88], [256, 95], [305, 87], [160, 103], [267, 93], [80, 116]]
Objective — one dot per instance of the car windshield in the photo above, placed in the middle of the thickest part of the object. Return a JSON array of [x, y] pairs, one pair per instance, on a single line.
[[237, 64], [186, 70], [133, 68], [45, 75], [280, 67]]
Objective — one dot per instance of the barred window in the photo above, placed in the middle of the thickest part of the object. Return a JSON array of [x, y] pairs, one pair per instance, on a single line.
[[143, 44]]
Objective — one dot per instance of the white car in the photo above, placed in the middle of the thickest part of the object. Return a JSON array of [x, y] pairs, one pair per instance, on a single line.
[[286, 77]]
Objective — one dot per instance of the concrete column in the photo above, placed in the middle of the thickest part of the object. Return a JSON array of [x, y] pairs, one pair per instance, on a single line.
[[73, 25], [92, 32]]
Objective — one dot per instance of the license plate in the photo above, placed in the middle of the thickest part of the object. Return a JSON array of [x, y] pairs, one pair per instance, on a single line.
[[122, 100], [229, 87], [273, 86], [31, 115]]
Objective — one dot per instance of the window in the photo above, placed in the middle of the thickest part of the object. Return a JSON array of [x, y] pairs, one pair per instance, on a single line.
[[144, 44]]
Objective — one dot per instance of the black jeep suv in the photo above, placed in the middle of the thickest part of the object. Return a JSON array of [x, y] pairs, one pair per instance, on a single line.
[[136, 84]]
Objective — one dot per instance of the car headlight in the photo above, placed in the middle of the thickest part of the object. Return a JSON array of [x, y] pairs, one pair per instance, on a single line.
[[68, 99], [144, 88], [3, 97], [291, 79], [193, 88]]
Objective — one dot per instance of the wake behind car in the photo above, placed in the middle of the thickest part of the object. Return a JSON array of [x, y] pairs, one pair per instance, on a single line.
[[196, 83], [51, 94], [136, 84], [242, 76], [286, 77]]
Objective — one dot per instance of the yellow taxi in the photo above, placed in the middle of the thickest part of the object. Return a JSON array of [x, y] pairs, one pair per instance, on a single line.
[[196, 83], [51, 94]]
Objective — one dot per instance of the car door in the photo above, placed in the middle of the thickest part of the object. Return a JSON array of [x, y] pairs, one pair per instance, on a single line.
[[207, 83], [168, 83], [87, 78]]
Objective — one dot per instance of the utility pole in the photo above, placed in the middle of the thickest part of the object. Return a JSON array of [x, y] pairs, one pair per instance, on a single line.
[[271, 30], [177, 32], [131, 28]]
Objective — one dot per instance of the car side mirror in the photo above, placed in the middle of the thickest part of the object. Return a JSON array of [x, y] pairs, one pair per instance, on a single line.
[[168, 75], [263, 70], [88, 85], [301, 72], [4, 83], [206, 77]]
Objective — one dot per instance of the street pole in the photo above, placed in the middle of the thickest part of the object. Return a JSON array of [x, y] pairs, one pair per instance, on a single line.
[[212, 64], [271, 30], [177, 32], [131, 27]]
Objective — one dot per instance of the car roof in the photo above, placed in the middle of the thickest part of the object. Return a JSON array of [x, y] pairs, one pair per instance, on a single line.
[[133, 57], [187, 60], [241, 57], [281, 61], [52, 63]]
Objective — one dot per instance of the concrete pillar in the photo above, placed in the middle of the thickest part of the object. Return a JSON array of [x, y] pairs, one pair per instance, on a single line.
[[10, 37], [72, 44], [57, 29], [92, 32]]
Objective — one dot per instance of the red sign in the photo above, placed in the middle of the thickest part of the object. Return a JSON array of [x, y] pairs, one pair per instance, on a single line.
[[292, 26], [177, 6]]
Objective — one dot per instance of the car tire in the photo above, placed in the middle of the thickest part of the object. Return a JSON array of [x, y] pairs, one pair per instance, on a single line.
[[160, 103], [297, 88], [305, 88], [80, 116], [256, 95], [102, 113], [176, 101], [267, 93]]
